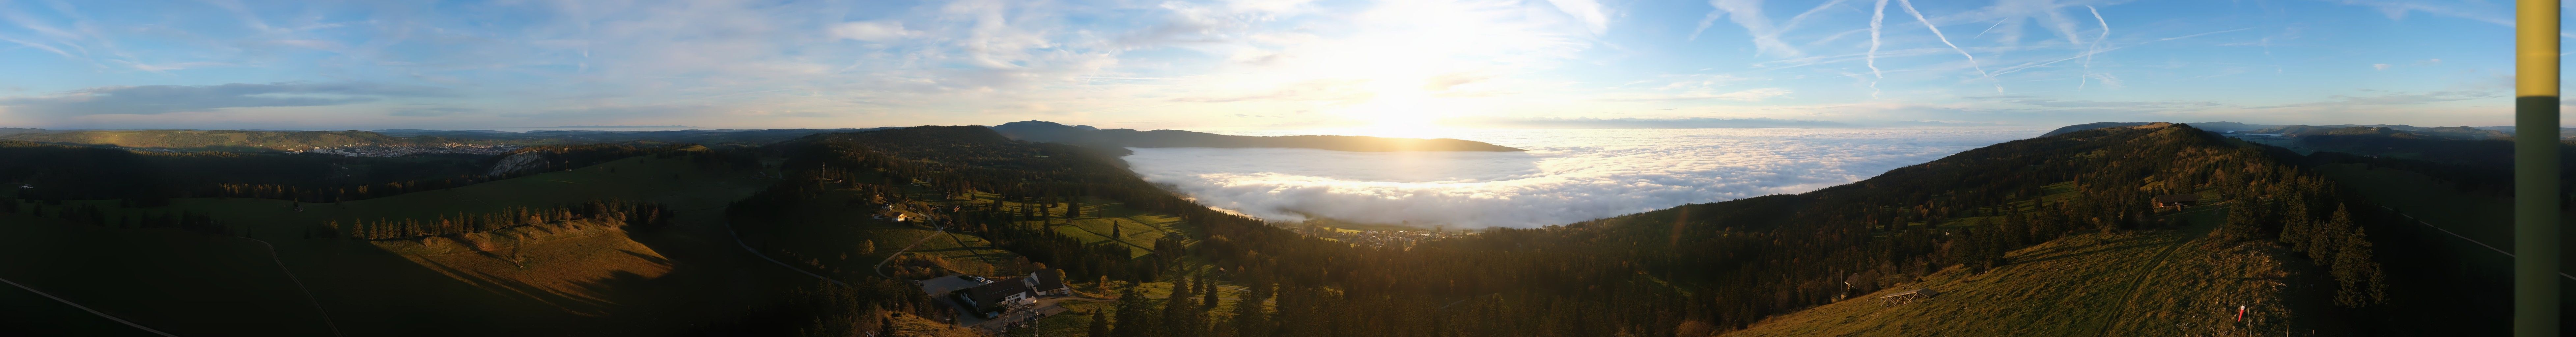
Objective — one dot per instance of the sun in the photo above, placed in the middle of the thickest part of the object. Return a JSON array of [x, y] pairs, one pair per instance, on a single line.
[[1398, 114]]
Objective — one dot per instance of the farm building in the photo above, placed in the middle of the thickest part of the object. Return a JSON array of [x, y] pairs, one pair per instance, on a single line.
[[1908, 296], [2177, 201], [991, 299], [995, 297]]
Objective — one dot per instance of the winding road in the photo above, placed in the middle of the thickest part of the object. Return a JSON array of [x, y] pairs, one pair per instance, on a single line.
[[86, 308], [299, 285]]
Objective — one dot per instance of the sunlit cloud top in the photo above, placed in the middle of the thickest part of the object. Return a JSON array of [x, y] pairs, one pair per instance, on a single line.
[[1243, 64]]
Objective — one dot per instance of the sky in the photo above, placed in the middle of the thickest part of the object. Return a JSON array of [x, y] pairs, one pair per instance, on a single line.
[[333, 65]]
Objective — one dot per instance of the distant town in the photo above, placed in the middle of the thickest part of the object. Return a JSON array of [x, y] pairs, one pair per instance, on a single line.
[[1380, 238], [405, 150]]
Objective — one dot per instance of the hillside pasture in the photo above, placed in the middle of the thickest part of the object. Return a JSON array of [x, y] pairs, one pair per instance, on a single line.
[[604, 281], [2134, 283]]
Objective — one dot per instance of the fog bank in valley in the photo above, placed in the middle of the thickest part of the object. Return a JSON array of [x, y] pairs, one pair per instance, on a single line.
[[1568, 176]]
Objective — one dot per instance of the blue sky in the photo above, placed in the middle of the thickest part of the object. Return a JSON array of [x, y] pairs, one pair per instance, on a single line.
[[1243, 64]]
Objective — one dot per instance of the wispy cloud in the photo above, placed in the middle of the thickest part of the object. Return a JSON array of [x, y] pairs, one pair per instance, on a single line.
[[1945, 40], [1748, 14], [1877, 14], [2091, 49], [1590, 12], [1184, 63]]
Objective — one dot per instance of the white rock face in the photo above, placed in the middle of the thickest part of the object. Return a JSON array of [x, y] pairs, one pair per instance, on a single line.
[[518, 162]]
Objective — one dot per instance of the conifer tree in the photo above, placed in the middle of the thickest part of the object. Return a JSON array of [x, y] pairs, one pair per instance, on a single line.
[[1177, 318], [1208, 295], [1099, 324], [1134, 319], [1249, 320], [2359, 278]]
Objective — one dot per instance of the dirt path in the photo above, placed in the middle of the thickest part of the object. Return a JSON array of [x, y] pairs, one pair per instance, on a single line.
[[737, 241], [2131, 290], [299, 285], [2182, 237], [86, 308], [880, 268], [2465, 238]]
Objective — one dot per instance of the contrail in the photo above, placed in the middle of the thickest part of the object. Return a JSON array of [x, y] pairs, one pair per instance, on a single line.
[[1876, 14], [1990, 28], [1936, 33], [2094, 48]]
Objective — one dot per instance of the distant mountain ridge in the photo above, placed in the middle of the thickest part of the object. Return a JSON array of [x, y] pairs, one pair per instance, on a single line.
[[238, 140], [217, 139], [2221, 127], [2297, 130], [1085, 135]]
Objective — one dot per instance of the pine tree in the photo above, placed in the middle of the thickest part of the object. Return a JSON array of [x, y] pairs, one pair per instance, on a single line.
[[1208, 295], [1099, 324], [1248, 316], [2327, 237], [2358, 277], [1177, 318], [1134, 319], [885, 326], [2245, 220]]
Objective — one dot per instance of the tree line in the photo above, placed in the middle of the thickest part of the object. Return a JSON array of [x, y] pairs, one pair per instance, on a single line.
[[93, 215], [63, 172], [630, 215]]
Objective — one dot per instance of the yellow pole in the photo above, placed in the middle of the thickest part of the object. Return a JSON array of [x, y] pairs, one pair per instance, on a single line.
[[2535, 172]]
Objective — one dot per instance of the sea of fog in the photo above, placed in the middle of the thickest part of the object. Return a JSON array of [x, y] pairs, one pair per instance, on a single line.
[[1568, 175]]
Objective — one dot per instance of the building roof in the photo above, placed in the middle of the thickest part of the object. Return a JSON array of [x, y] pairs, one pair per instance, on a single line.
[[989, 296], [1049, 279], [2194, 197]]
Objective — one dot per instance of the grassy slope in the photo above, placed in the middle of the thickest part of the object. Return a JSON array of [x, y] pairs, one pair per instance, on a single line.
[[825, 230], [2143, 283], [605, 283], [827, 227], [173, 281], [1077, 320]]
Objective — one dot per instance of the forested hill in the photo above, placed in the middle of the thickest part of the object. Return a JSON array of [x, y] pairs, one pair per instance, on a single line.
[[257, 141], [1042, 131], [1704, 268], [1727, 265]]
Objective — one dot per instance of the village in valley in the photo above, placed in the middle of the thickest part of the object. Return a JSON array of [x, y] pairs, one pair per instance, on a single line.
[[375, 150], [1399, 237]]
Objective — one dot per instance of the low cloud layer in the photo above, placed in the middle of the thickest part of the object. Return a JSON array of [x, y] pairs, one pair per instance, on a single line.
[[1570, 175], [158, 99]]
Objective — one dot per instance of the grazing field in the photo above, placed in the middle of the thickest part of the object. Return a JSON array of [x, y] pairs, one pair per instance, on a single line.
[[1076, 321], [841, 233], [2138, 283], [1138, 229], [604, 282], [174, 281]]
